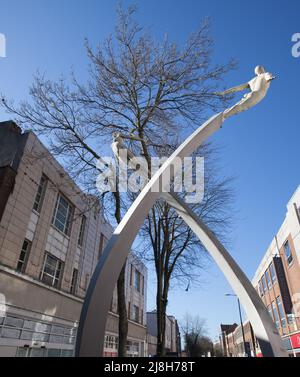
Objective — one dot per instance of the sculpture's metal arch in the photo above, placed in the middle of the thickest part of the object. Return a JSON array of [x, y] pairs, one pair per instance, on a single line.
[[263, 326], [91, 329]]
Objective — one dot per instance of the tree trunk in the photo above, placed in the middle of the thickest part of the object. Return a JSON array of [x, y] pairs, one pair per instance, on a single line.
[[122, 310], [161, 305], [123, 322]]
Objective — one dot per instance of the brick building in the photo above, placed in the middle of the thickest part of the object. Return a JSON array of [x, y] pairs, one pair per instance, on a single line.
[[51, 237], [277, 278], [277, 281]]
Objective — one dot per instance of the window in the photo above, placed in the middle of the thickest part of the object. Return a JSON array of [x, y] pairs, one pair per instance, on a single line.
[[264, 284], [290, 318], [272, 272], [111, 342], [288, 253], [63, 215], [131, 273], [281, 311], [52, 271], [143, 284], [275, 314], [260, 289], [129, 310], [268, 279], [136, 313], [270, 311], [103, 241], [74, 281], [22, 262], [39, 198], [142, 317], [81, 232], [137, 281]]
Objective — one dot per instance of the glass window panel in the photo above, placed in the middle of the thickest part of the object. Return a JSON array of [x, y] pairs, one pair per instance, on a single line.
[[27, 335], [47, 279], [137, 280], [62, 214], [272, 272], [37, 352], [268, 279], [59, 225], [281, 311], [14, 322], [288, 253], [58, 330], [22, 352], [42, 327], [57, 339], [275, 314], [264, 284], [270, 311], [40, 194], [66, 353], [10, 333], [23, 256], [51, 271], [81, 232], [41, 337], [53, 352], [291, 319]]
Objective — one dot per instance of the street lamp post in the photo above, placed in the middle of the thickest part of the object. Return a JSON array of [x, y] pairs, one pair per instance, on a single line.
[[241, 320]]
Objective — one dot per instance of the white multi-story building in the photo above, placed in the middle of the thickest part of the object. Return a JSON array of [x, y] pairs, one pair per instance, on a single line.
[[51, 237]]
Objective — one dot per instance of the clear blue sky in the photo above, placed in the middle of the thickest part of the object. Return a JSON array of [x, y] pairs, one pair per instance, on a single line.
[[260, 147]]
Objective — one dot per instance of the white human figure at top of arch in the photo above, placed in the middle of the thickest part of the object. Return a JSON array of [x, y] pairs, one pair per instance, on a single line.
[[258, 86]]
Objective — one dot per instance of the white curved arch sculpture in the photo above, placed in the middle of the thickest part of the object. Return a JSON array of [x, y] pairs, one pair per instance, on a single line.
[[90, 337]]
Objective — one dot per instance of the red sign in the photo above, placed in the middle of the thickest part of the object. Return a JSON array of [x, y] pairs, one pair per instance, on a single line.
[[295, 340]]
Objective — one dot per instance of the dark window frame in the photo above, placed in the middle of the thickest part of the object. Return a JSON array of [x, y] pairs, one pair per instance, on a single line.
[[281, 312], [275, 314], [74, 281], [268, 279], [66, 219], [58, 271], [40, 194], [272, 273], [289, 259], [264, 283], [137, 280], [82, 231], [24, 256]]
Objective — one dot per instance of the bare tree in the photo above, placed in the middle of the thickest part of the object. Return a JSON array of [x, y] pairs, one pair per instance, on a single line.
[[197, 343], [154, 90]]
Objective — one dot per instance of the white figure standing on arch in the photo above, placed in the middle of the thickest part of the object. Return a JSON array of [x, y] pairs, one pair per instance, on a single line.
[[258, 86]]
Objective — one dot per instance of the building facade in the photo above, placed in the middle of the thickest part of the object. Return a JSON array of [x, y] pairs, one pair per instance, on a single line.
[[277, 278], [172, 335], [277, 281], [232, 341], [51, 237]]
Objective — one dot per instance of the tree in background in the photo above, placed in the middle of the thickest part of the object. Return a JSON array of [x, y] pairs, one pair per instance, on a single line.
[[158, 92], [197, 343]]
